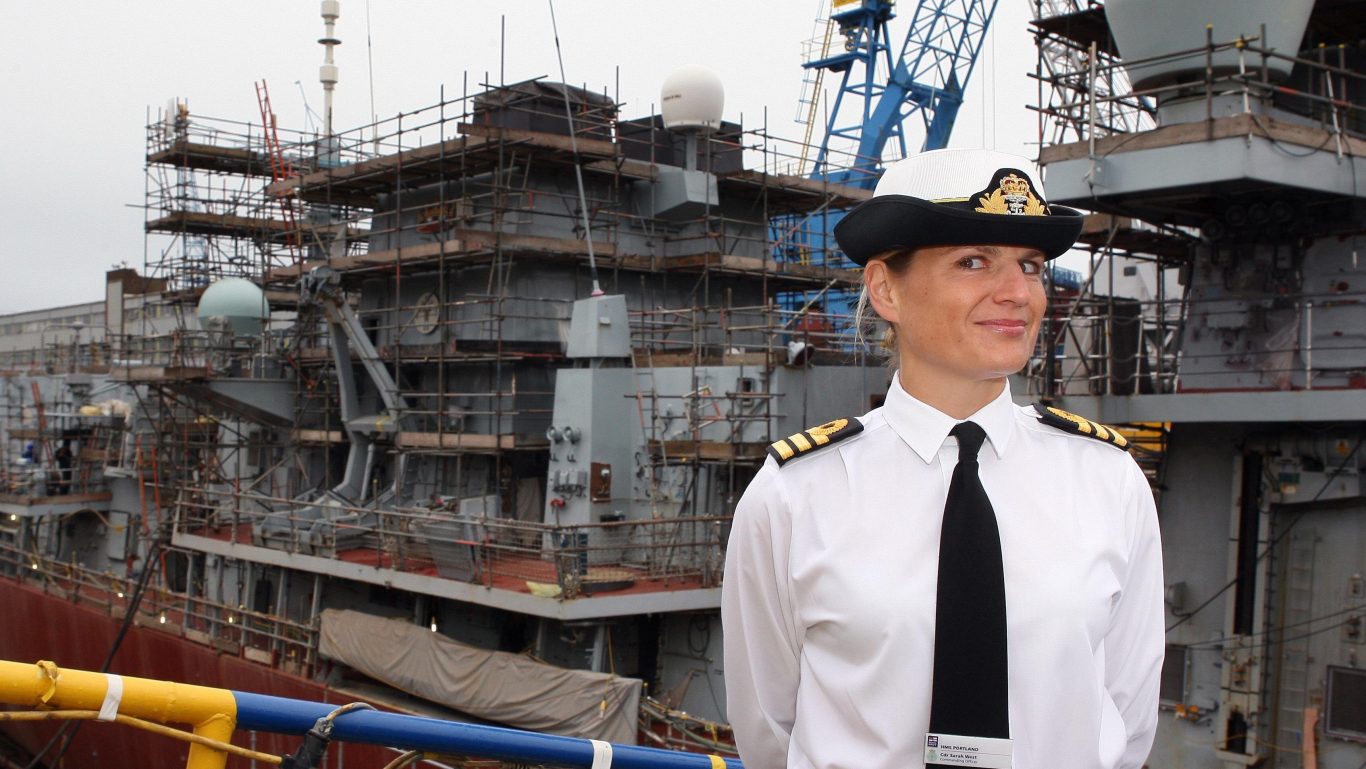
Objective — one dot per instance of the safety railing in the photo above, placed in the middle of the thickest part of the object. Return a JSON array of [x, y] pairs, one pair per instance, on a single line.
[[734, 332], [212, 351], [1321, 86], [1296, 342], [48, 692], [230, 629], [58, 358], [661, 553]]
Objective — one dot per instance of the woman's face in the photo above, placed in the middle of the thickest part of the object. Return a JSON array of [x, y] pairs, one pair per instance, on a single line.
[[967, 313]]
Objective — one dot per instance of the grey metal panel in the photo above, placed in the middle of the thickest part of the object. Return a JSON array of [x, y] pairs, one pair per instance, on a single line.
[[1200, 164], [599, 328], [1227, 407]]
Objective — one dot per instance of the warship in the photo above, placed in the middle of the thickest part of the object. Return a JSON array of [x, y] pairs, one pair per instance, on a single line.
[[448, 413]]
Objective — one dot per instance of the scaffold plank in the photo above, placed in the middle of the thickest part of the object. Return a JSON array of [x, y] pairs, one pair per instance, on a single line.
[[23, 500], [210, 157], [204, 223], [1311, 137], [1122, 233], [586, 147], [462, 243], [476, 441], [753, 265], [357, 183], [650, 358], [422, 440], [153, 374], [705, 451], [306, 435], [796, 193]]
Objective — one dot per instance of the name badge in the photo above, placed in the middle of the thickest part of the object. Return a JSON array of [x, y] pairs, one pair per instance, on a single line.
[[957, 750]]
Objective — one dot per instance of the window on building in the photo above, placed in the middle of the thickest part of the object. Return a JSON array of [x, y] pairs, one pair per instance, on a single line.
[[1345, 710], [1173, 686]]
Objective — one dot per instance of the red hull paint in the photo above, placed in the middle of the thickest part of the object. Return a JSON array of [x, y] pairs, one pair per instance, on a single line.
[[34, 626]]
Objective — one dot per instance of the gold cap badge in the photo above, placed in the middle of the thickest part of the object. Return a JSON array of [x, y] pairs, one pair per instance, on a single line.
[[1011, 193]]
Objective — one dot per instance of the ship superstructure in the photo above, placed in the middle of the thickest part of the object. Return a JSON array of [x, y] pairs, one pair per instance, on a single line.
[[1220, 147], [398, 399], [363, 394]]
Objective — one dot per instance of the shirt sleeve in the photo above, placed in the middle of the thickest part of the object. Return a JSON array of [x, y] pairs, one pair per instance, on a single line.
[[761, 648], [1136, 642]]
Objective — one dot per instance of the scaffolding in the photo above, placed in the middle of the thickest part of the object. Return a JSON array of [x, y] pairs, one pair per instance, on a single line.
[[1097, 341], [462, 248]]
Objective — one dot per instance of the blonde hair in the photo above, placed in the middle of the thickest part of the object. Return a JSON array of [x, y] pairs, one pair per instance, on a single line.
[[869, 325]]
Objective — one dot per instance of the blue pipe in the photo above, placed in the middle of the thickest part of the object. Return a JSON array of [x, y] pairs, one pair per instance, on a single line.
[[288, 716]]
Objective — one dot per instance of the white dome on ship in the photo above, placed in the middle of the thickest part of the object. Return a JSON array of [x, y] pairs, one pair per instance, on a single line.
[[692, 99], [236, 301]]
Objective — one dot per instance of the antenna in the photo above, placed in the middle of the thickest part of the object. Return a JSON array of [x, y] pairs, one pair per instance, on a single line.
[[574, 147], [327, 73]]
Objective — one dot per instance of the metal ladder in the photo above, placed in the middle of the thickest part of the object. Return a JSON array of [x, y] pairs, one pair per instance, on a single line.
[[1296, 612], [280, 167]]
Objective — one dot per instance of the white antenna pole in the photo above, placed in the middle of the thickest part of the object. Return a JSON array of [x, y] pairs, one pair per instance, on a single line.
[[327, 73], [578, 168]]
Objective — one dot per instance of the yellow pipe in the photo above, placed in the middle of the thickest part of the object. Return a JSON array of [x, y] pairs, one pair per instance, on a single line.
[[211, 712]]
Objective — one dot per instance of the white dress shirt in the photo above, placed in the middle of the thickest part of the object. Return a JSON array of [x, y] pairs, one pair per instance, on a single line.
[[829, 597]]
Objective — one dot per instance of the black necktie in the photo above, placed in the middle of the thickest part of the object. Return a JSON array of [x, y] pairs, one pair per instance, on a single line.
[[970, 619]]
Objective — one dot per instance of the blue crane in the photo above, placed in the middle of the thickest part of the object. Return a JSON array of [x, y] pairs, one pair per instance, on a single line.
[[876, 97], [873, 102]]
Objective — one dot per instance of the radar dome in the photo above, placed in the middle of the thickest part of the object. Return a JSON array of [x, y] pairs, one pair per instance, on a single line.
[[692, 99], [237, 302]]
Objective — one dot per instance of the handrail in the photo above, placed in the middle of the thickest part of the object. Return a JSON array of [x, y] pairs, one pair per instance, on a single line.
[[216, 712]]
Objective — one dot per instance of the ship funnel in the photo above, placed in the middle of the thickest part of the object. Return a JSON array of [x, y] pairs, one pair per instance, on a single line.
[[1163, 29]]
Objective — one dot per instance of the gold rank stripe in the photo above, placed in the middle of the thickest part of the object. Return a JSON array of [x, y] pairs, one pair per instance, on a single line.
[[814, 438], [1069, 422]]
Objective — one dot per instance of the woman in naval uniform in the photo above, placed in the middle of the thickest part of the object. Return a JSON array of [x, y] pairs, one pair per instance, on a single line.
[[950, 579]]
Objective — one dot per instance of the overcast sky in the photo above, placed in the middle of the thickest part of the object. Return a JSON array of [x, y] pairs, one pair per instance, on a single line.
[[80, 77]]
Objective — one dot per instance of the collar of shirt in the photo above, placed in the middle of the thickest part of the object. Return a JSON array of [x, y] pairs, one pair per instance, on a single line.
[[924, 428]]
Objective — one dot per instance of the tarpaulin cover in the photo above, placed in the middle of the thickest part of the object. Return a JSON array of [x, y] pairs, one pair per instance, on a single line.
[[507, 688]]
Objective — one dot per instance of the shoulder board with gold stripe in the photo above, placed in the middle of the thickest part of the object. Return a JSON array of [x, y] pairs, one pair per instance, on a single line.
[[1069, 422], [813, 438]]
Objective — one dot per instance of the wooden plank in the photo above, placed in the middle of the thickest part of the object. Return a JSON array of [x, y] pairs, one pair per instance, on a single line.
[[1191, 133], [466, 243], [203, 223], [1096, 232], [306, 435], [373, 168], [477, 441], [159, 373], [644, 357], [840, 195], [560, 142], [634, 169], [188, 154], [282, 298], [344, 182], [712, 451], [748, 358], [755, 265], [57, 499]]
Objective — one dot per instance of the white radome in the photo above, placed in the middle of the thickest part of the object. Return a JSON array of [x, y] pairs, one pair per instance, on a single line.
[[236, 300], [692, 98]]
